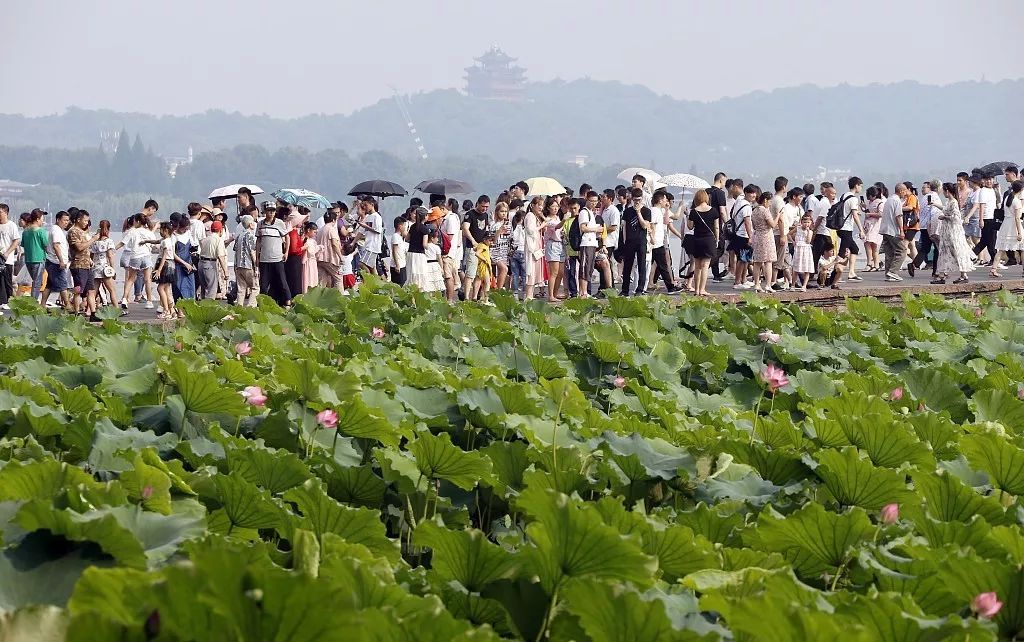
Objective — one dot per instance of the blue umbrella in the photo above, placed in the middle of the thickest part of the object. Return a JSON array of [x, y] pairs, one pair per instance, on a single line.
[[305, 197]]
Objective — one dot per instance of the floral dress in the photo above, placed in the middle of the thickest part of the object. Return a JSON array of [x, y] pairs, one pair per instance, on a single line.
[[955, 255], [763, 242], [872, 222]]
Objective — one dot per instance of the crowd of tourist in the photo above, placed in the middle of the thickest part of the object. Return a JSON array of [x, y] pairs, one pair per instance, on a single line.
[[801, 237]]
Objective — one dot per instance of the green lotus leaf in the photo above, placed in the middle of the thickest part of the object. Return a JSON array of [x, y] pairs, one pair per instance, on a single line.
[[679, 551], [509, 462], [34, 624], [854, 481], [356, 419], [357, 485], [1000, 407], [44, 480], [950, 500], [465, 556], [814, 540], [938, 391], [1003, 461], [968, 576], [100, 527], [321, 514], [148, 484], [201, 392], [117, 595], [888, 444], [244, 505], [272, 470], [437, 458], [657, 458], [108, 441], [610, 613], [717, 524], [571, 541]]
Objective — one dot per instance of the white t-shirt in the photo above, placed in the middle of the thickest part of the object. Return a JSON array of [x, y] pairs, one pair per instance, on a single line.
[[987, 199], [58, 244], [346, 264], [587, 239], [399, 248], [824, 205], [776, 204], [432, 252], [658, 221], [167, 249], [452, 226], [739, 212], [9, 233], [143, 250], [197, 230], [519, 237], [850, 205], [374, 236], [612, 218], [790, 217]]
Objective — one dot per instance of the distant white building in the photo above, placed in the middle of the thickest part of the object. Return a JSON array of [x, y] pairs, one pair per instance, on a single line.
[[174, 162]]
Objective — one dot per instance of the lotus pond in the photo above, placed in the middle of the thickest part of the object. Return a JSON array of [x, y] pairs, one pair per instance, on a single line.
[[389, 467]]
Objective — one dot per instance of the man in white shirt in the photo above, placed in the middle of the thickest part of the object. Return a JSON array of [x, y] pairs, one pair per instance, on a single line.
[[588, 244], [612, 216], [739, 214], [851, 221], [985, 207], [58, 279], [781, 230], [822, 235], [891, 229], [659, 241], [931, 209], [373, 229], [451, 228], [10, 239]]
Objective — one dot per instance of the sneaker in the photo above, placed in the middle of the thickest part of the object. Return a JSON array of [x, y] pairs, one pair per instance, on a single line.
[[149, 305], [889, 276], [720, 279], [910, 268], [5, 306], [742, 286]]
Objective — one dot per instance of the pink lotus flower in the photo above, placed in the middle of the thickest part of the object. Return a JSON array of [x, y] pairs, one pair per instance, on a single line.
[[178, 346], [1020, 392], [896, 394], [986, 605], [619, 381], [978, 312], [147, 492], [890, 513], [243, 348], [377, 333], [774, 377], [769, 337], [327, 418], [254, 396]]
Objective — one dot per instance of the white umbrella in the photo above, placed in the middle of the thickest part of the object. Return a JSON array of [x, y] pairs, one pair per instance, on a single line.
[[628, 174], [231, 191], [686, 181], [544, 186]]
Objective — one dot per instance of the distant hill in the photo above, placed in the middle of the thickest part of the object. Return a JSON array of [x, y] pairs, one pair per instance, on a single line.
[[899, 127]]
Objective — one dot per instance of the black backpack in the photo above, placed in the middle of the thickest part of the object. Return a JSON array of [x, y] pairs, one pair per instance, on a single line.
[[835, 220], [575, 235]]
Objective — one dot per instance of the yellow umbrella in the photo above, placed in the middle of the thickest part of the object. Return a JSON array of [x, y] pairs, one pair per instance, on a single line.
[[544, 186]]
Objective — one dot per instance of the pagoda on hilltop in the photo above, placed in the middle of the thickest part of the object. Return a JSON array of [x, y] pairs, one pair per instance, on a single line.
[[495, 77]]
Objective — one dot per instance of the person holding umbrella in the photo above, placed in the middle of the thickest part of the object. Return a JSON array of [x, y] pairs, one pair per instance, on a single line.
[[372, 225]]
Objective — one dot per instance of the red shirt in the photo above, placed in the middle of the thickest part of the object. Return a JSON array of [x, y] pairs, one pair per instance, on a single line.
[[294, 243]]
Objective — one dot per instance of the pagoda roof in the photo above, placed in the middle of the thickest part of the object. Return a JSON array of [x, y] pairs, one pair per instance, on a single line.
[[494, 55]]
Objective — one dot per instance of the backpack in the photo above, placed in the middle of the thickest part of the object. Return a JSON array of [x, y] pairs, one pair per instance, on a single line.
[[446, 244], [575, 235], [834, 220]]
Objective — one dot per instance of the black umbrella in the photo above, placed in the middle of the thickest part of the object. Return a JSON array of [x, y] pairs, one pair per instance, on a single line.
[[995, 169], [444, 186], [378, 187]]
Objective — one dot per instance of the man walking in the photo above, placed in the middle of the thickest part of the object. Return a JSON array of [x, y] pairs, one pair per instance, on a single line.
[[931, 207], [636, 224], [891, 228], [985, 206], [740, 213], [271, 251], [822, 236], [717, 200], [851, 221], [57, 277]]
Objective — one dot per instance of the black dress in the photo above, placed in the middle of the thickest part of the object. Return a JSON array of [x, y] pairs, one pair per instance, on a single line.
[[705, 245]]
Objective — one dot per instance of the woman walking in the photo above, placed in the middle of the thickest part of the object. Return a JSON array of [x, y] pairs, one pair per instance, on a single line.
[[103, 262], [955, 255], [872, 220], [763, 243], [554, 248], [502, 246], [704, 223], [1010, 238], [533, 246]]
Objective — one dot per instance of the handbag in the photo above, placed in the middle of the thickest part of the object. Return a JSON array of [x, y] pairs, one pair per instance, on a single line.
[[537, 254]]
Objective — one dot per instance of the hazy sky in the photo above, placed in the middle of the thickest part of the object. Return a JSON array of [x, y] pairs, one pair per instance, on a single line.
[[334, 56]]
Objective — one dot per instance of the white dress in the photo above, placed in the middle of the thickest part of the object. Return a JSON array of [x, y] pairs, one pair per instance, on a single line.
[[1007, 239], [433, 280]]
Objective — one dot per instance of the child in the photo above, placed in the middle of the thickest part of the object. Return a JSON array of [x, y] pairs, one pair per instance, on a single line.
[[349, 248], [830, 267], [165, 271], [482, 283], [803, 258], [432, 253], [310, 276]]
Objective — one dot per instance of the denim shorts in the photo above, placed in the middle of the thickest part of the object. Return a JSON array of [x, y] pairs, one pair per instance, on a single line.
[[58, 279]]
